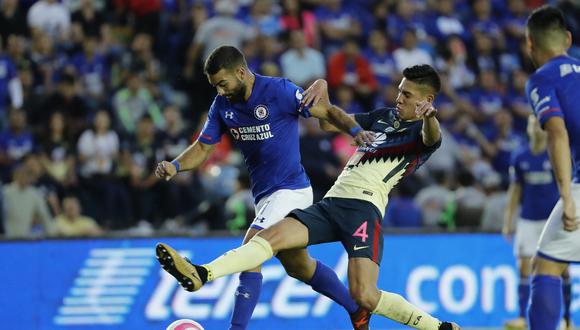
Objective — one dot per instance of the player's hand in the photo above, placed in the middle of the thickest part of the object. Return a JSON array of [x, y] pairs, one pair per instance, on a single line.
[[315, 93], [569, 216], [364, 138], [507, 233], [425, 109], [165, 170]]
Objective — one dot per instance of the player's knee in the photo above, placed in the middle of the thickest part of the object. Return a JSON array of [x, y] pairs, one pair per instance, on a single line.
[[363, 295]]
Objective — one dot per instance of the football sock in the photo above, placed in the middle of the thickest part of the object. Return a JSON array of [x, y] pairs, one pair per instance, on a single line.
[[248, 256], [567, 293], [247, 296], [327, 283], [396, 308], [524, 295], [546, 302]]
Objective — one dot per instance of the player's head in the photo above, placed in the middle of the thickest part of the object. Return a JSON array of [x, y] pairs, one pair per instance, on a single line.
[[546, 34], [226, 69], [535, 132], [419, 83]]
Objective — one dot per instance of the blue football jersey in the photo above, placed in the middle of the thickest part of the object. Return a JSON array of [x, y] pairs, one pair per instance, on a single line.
[[553, 91], [539, 189], [265, 128]]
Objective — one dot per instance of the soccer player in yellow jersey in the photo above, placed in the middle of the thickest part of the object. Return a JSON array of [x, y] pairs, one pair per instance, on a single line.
[[351, 211]]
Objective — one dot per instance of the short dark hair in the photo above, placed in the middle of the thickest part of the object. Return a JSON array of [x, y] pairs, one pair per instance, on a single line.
[[544, 20], [423, 74], [224, 57]]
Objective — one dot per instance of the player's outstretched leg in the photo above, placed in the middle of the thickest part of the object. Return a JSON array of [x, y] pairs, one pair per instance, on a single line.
[[363, 276], [546, 294], [323, 280]]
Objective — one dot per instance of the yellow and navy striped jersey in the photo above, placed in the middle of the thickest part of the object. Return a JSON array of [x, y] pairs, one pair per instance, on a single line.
[[397, 151]]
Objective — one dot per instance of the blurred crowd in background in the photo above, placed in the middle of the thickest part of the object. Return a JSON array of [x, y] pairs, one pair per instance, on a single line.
[[93, 93]]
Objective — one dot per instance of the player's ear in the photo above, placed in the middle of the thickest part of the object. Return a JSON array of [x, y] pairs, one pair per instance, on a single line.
[[241, 72], [430, 98], [568, 39]]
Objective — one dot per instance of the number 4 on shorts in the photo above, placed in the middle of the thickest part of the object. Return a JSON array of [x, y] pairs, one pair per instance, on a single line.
[[361, 232]]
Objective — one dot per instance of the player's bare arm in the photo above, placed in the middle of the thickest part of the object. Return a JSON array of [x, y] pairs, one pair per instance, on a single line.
[[559, 150], [331, 117], [431, 131], [514, 195], [191, 158]]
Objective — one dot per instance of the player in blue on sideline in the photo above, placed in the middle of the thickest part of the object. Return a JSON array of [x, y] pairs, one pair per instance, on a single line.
[[553, 93], [534, 189], [261, 114]]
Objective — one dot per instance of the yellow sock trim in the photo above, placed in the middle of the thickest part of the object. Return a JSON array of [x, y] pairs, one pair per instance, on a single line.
[[396, 308], [248, 256]]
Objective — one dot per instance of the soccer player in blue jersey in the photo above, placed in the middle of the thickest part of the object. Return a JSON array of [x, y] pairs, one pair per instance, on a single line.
[[534, 188], [351, 211], [553, 93], [261, 114]]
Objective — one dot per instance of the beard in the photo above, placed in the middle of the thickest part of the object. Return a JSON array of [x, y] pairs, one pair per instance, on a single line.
[[238, 94]]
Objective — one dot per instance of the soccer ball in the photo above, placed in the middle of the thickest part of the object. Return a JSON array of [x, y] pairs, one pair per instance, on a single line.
[[185, 324]]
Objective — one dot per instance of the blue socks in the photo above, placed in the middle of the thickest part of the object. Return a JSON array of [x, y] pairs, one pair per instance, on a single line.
[[546, 302], [326, 282], [247, 296], [523, 295], [567, 293]]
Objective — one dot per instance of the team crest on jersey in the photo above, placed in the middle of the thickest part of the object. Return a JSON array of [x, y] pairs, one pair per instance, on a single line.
[[396, 124], [261, 112]]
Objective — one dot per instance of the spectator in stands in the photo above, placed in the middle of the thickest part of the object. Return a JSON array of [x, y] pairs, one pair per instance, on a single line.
[[318, 159], [98, 151], [344, 97], [222, 29], [495, 204], [92, 69], [88, 20], [15, 142], [263, 19], [405, 18], [468, 202], [409, 53], [65, 99], [452, 63], [72, 223], [10, 87], [402, 211], [434, 198], [487, 99], [514, 23], [12, 20], [483, 20], [516, 101], [140, 154], [133, 102], [24, 206], [57, 155], [379, 56], [50, 17], [300, 63], [351, 68], [337, 25], [445, 22], [484, 56], [294, 17]]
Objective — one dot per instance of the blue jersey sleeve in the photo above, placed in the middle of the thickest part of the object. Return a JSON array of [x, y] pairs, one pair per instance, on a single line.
[[213, 129], [543, 98], [516, 175], [292, 94]]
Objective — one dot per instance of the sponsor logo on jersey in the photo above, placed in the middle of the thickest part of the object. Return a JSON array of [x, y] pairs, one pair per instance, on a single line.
[[261, 112], [229, 115], [252, 133]]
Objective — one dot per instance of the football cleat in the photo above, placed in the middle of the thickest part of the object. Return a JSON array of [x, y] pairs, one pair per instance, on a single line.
[[181, 268]]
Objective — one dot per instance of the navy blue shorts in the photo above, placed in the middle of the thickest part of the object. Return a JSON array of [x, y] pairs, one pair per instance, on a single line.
[[355, 223]]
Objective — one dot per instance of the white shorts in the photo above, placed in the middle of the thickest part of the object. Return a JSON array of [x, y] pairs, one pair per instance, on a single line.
[[273, 208], [527, 237], [556, 243]]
